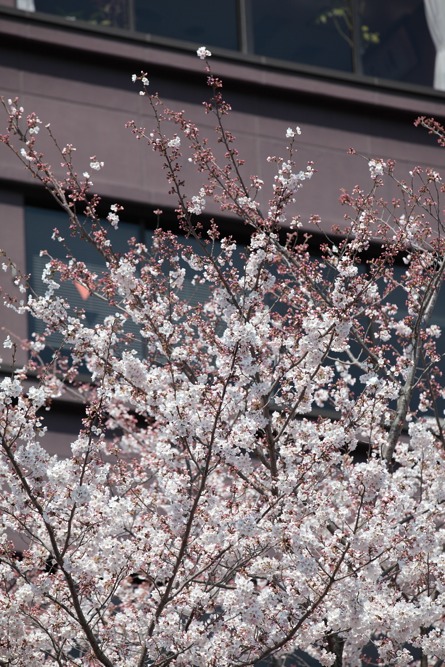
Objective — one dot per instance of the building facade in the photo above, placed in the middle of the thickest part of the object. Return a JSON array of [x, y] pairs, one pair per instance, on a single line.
[[350, 73]]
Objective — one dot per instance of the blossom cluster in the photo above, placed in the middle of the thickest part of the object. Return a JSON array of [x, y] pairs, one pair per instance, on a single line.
[[260, 467]]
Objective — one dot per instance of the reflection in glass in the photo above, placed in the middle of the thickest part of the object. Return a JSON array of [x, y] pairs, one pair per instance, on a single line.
[[398, 40], [308, 31], [403, 50], [200, 21], [106, 13]]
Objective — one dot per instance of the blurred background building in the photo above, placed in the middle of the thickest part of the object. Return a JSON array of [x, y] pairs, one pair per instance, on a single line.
[[350, 73]]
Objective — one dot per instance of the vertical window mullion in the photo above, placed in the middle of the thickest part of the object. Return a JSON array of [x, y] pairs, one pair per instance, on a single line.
[[243, 30], [131, 15]]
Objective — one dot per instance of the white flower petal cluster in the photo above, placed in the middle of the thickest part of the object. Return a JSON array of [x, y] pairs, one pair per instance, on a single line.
[[174, 143], [203, 53], [113, 216], [290, 180], [376, 168], [96, 165], [198, 203], [258, 462], [291, 132]]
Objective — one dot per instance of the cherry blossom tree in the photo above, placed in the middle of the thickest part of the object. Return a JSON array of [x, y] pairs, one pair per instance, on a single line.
[[268, 476]]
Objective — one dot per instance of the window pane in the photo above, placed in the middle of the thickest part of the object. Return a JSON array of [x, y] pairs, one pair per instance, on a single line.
[[313, 32], [200, 21], [39, 227], [112, 13], [395, 41]]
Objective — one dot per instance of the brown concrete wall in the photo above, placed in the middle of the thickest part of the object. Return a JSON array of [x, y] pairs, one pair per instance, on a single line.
[[80, 82]]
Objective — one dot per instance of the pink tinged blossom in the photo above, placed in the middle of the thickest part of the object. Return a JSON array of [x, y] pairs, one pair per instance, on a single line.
[[142, 77], [27, 155], [81, 495], [203, 53], [376, 168], [113, 215], [203, 513], [434, 330], [291, 132], [7, 343], [113, 219], [198, 203], [174, 143], [96, 164]]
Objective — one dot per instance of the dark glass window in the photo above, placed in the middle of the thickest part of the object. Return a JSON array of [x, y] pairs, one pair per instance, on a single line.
[[307, 31], [200, 21], [384, 39], [111, 13], [39, 226], [395, 42]]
